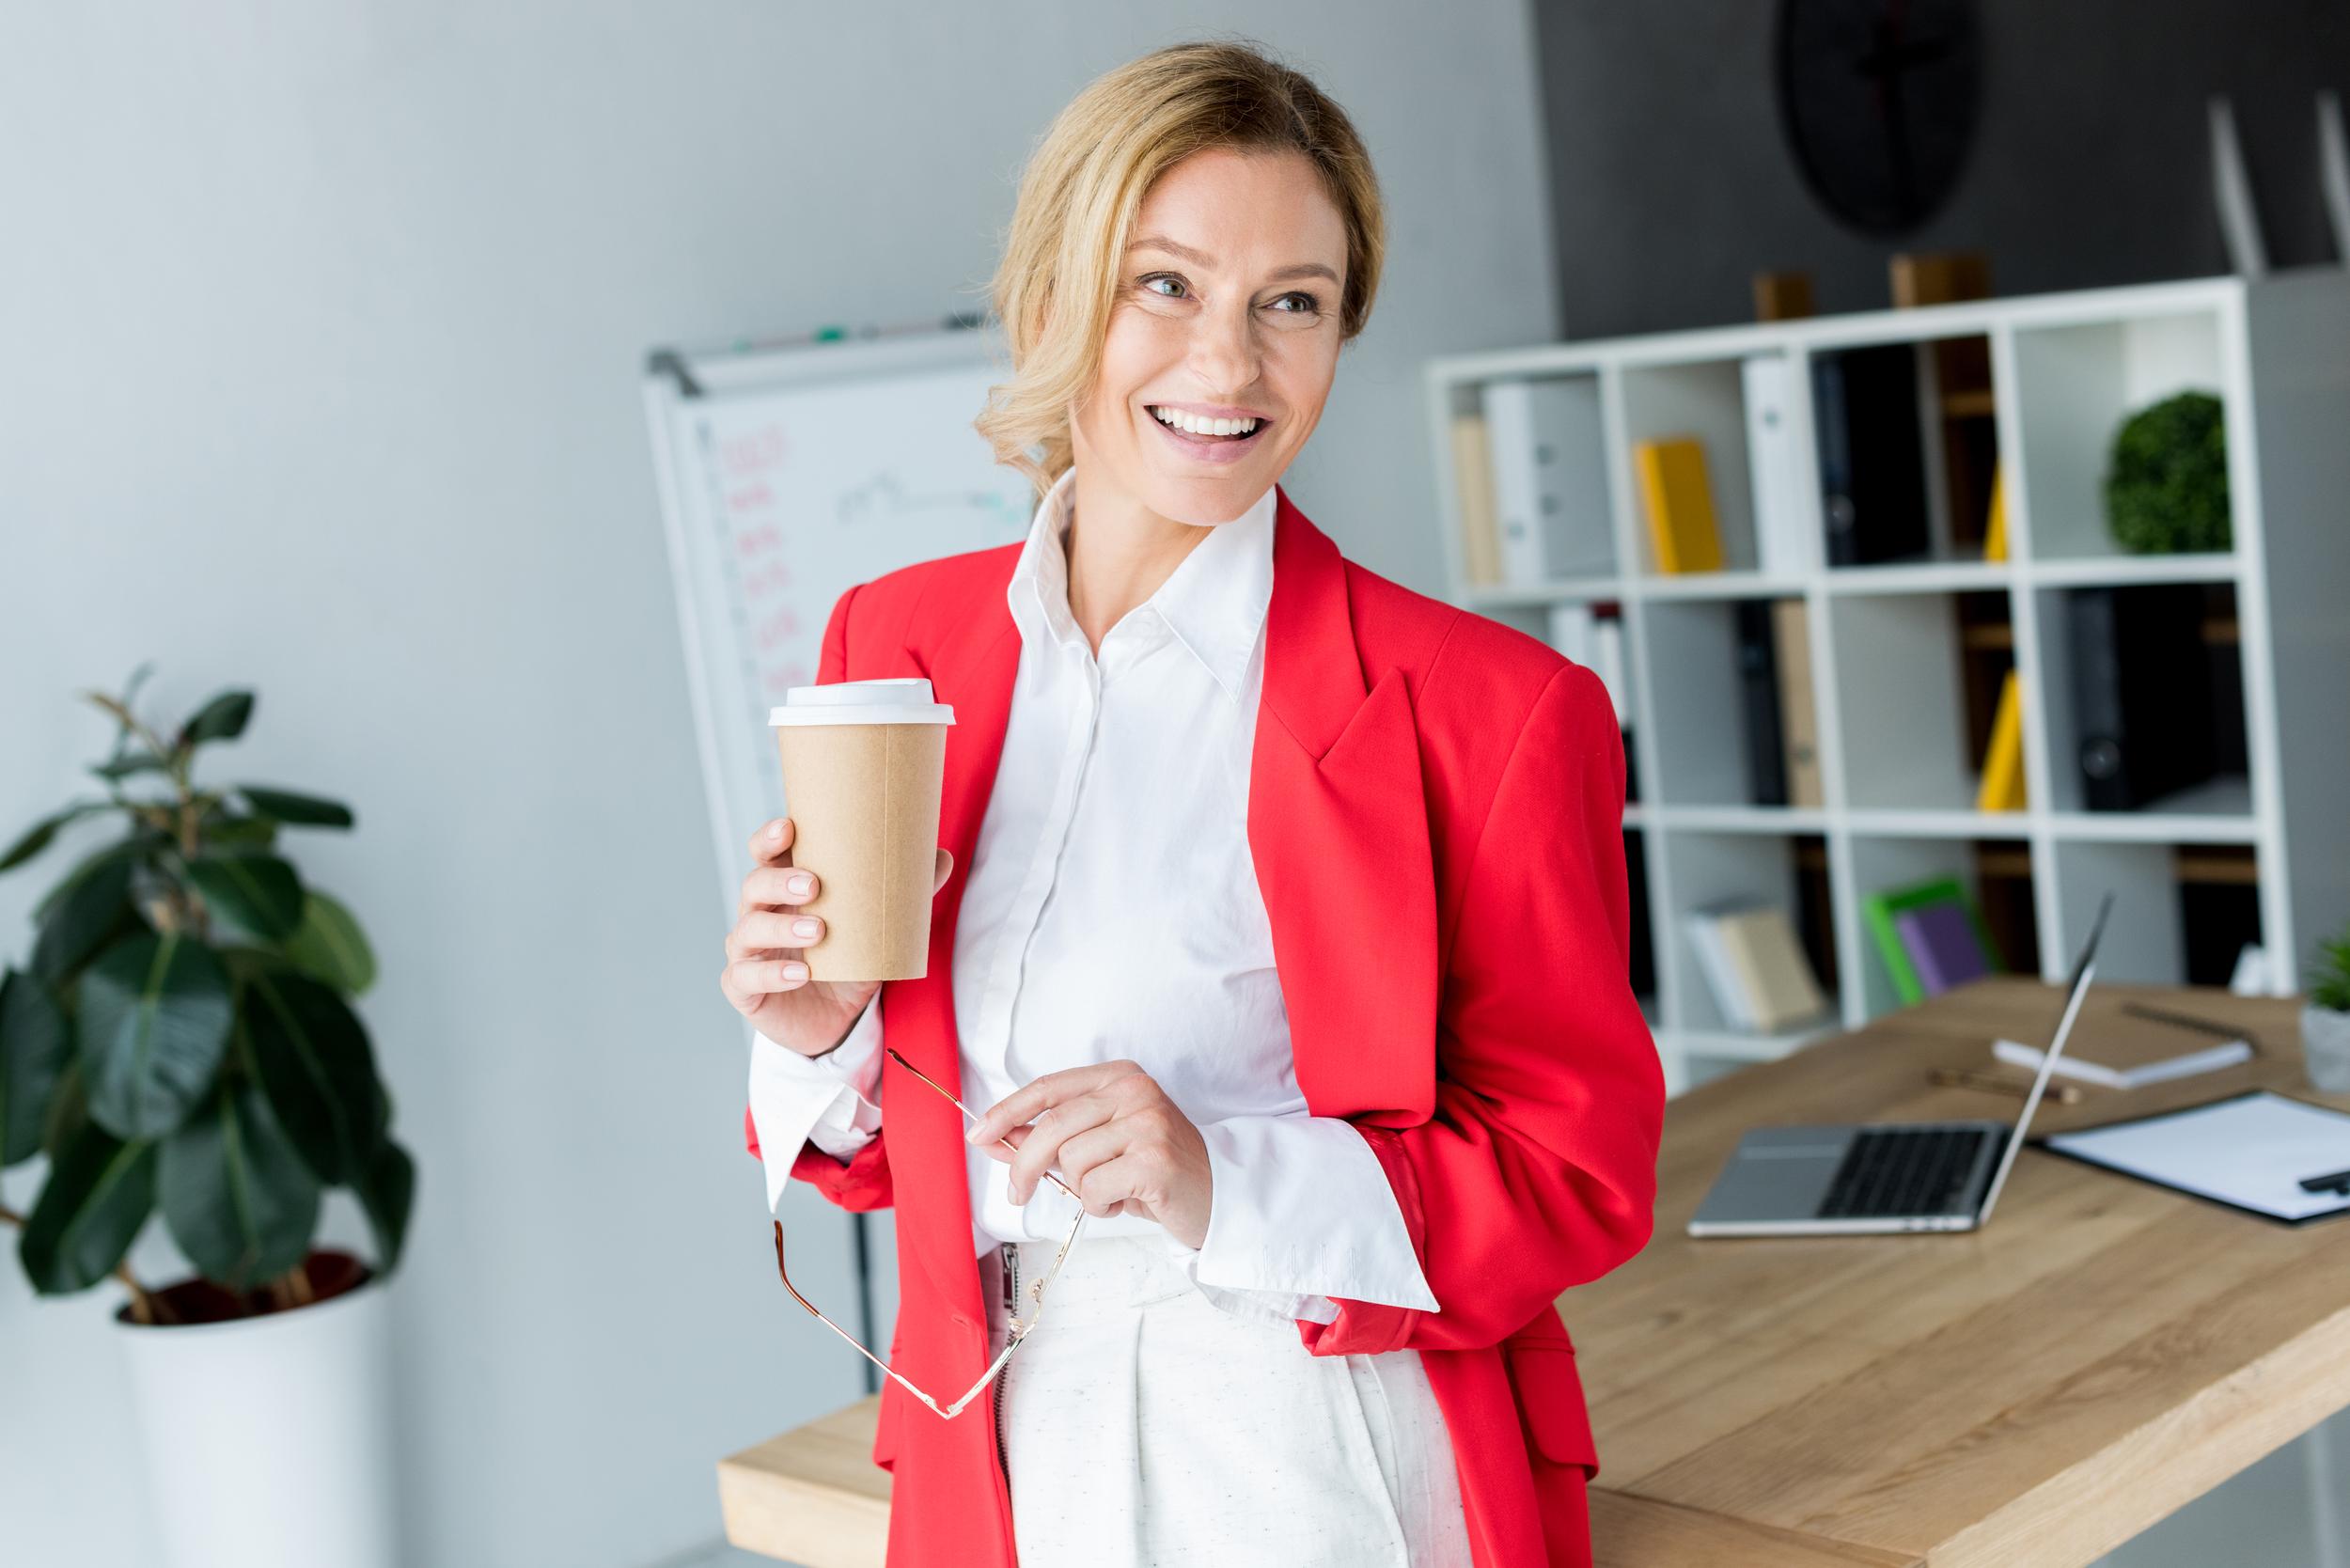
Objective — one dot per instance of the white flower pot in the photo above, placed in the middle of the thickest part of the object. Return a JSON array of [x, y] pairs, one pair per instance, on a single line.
[[2326, 1048], [268, 1440]]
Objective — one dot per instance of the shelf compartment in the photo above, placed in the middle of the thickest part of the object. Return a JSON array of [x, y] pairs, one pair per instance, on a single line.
[[2181, 911], [2074, 385], [2152, 664], [1704, 749], [1787, 871], [1705, 399], [1911, 681]]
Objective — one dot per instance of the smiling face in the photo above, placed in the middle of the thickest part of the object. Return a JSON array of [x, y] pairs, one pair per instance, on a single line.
[[1227, 320]]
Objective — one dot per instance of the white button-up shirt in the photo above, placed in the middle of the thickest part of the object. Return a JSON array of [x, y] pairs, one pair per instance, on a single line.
[[1112, 911]]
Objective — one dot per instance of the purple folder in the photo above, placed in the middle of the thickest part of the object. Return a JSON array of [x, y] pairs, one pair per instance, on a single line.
[[1940, 941]]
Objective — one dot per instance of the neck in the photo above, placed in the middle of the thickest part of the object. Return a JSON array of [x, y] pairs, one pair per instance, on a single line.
[[1118, 551]]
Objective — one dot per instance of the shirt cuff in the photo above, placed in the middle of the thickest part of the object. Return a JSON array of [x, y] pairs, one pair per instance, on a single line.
[[1300, 1212], [832, 1101]]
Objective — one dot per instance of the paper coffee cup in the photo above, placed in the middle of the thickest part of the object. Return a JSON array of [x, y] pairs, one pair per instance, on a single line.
[[862, 764]]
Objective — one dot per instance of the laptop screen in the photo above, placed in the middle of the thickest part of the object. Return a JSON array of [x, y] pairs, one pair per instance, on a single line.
[[2083, 968]]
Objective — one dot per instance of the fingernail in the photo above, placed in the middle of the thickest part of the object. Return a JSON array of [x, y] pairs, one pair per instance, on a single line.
[[775, 832], [802, 882], [973, 1136], [795, 971], [803, 928]]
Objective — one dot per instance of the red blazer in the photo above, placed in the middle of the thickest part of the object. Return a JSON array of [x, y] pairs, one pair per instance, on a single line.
[[1435, 808]]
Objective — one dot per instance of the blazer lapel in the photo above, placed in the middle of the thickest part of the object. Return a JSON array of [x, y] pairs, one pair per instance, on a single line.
[[1338, 826], [972, 667]]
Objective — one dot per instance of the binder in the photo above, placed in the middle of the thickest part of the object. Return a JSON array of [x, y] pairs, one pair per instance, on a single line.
[[1473, 483], [1779, 511], [1798, 715], [1678, 498], [1550, 488]]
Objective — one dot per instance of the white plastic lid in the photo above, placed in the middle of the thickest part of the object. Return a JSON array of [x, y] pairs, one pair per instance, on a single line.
[[899, 699]]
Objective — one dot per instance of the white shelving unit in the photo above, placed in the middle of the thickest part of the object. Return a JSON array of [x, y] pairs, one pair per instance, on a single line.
[[1899, 795]]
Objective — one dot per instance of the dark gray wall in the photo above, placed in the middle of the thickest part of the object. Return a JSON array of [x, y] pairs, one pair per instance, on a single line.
[[1672, 184]]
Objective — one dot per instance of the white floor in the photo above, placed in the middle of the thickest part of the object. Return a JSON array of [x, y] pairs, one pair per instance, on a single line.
[[2272, 1516]]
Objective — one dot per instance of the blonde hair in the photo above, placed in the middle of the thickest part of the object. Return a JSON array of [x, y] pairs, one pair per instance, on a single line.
[[1085, 184]]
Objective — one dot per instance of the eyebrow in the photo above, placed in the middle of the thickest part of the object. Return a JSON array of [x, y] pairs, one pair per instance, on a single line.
[[1160, 242]]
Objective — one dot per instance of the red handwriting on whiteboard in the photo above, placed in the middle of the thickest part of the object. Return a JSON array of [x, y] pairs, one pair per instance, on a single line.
[[758, 541], [759, 581], [779, 627], [750, 497], [754, 451], [784, 678]]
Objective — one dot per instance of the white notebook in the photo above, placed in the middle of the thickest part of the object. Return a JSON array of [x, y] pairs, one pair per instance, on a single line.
[[2249, 1151]]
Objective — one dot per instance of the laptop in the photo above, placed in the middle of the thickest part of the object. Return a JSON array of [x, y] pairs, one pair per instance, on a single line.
[[1885, 1176]]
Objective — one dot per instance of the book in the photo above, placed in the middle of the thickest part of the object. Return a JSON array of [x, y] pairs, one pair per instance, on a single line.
[[1995, 526], [1779, 989], [2002, 785], [1943, 949], [1473, 479], [1550, 487], [1678, 499], [2188, 1064], [1871, 451], [1758, 680], [1881, 913], [1799, 718], [1722, 979], [1777, 478]]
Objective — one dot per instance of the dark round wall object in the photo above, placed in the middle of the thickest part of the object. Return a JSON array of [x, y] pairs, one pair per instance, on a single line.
[[1877, 99]]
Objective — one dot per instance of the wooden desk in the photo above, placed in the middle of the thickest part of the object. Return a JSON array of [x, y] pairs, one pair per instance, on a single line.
[[2035, 1392]]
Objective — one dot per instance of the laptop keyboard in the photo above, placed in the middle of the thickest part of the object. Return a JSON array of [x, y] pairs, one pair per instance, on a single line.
[[1902, 1170]]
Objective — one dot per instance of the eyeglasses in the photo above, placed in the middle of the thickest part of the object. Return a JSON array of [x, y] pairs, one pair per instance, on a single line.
[[1019, 1326]]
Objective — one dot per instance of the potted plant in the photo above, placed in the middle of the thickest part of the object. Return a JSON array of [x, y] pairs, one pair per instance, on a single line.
[[2326, 1017], [182, 1039], [2167, 479]]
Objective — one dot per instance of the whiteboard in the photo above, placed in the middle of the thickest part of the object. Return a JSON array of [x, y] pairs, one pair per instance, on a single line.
[[787, 476]]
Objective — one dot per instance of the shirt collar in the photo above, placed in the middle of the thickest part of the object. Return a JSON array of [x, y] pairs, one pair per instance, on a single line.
[[1215, 602]]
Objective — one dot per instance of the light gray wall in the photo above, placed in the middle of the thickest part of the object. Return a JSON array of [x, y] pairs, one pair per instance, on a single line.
[[323, 324]]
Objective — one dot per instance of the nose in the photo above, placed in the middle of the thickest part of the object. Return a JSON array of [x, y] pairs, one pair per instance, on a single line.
[[1224, 352]]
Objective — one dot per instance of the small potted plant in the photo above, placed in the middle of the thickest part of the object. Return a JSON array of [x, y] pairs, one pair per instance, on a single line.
[[2167, 479], [181, 1040], [2326, 1017]]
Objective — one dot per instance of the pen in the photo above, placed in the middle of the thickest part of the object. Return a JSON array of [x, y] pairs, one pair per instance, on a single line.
[[2333, 1181], [1960, 1077]]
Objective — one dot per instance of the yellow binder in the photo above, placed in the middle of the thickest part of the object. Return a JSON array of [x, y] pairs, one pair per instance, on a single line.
[[1995, 529], [2002, 787], [1680, 504]]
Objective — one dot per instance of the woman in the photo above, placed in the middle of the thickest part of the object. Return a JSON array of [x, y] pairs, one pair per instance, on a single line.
[[1292, 935]]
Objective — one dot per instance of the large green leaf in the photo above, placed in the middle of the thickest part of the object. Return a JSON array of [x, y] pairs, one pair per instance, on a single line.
[[39, 835], [259, 893], [221, 719], [125, 851], [99, 1191], [118, 768], [35, 1046], [153, 1022], [221, 831], [313, 1059], [97, 909], [69, 1111], [389, 1195], [288, 806], [237, 1198], [330, 947]]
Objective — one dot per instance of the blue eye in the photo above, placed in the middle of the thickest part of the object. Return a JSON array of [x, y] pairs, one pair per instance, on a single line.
[[1311, 303], [1161, 277]]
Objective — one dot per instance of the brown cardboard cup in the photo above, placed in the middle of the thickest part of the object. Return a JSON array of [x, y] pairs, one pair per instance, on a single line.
[[863, 763]]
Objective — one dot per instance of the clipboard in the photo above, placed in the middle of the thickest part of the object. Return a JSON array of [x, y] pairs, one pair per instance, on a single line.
[[2247, 1152]]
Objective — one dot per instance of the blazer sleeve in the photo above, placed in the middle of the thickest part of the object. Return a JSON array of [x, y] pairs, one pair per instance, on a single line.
[[1537, 1170], [862, 1181]]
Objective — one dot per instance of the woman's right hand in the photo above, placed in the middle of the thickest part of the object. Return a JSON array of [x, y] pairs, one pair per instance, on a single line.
[[765, 977]]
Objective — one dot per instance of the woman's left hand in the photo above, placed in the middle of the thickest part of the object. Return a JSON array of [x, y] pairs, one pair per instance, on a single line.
[[1114, 1136]]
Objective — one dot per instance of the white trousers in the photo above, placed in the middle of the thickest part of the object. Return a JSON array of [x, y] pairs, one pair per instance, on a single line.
[[1144, 1426]]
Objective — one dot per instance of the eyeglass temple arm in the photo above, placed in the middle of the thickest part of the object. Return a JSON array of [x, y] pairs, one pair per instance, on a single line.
[[968, 1115]]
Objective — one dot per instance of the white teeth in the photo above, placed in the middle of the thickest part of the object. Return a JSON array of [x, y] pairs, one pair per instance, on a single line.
[[1204, 426]]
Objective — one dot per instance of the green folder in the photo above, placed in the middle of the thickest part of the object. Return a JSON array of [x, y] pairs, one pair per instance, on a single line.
[[1881, 909]]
